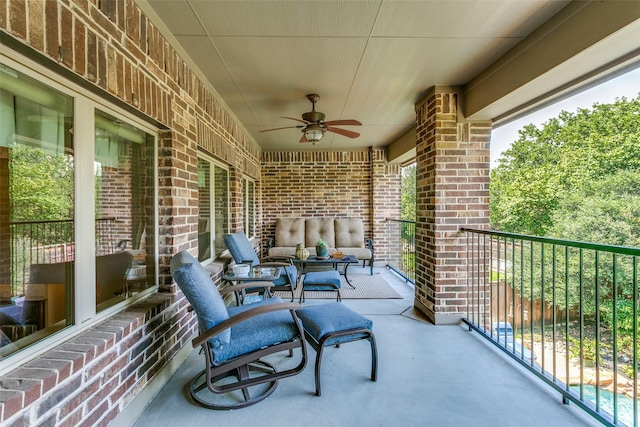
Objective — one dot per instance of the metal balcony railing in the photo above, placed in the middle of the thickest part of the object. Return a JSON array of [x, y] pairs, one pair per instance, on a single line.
[[44, 242], [568, 311], [402, 248]]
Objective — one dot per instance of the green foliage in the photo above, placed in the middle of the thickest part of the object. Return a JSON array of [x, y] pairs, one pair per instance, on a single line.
[[605, 210], [549, 168], [588, 349], [577, 177], [41, 185], [408, 202]]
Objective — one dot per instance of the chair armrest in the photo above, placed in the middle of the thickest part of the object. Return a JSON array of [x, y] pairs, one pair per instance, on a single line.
[[245, 285], [369, 243], [273, 264], [278, 258], [245, 315]]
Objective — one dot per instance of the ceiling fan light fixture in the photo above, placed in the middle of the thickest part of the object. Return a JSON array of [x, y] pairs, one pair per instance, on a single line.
[[313, 133]]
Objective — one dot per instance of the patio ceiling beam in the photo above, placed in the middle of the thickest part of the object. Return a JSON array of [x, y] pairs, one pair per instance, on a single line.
[[579, 44]]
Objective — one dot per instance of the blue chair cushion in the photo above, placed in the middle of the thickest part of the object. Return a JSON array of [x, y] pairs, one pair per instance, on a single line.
[[257, 332], [240, 248], [324, 319], [288, 275], [242, 252], [315, 280], [202, 293]]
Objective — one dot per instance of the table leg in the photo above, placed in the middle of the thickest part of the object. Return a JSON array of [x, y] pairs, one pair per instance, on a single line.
[[346, 265]]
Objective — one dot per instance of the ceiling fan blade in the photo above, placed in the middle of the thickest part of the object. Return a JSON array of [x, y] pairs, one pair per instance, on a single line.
[[346, 122], [303, 139], [286, 127], [344, 132], [297, 120]]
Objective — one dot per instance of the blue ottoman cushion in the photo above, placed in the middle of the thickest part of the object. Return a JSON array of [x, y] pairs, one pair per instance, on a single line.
[[333, 324], [318, 280], [321, 320]]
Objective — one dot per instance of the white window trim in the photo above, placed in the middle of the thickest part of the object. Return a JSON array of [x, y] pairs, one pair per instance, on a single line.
[[212, 162]]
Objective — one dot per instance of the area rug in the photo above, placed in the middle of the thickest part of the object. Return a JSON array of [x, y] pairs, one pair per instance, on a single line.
[[366, 287]]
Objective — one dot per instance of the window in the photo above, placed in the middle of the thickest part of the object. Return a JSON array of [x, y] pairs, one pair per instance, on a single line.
[[213, 209], [66, 237], [248, 195], [36, 221], [124, 209]]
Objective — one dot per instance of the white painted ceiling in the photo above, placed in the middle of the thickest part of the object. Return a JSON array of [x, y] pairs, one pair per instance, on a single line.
[[368, 60]]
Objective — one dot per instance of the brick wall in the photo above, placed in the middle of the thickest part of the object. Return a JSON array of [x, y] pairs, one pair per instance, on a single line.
[[115, 49], [386, 190], [331, 184], [452, 191]]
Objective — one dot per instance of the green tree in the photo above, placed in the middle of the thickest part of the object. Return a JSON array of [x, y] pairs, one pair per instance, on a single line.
[[577, 177], [547, 166], [408, 202], [605, 210], [41, 185]]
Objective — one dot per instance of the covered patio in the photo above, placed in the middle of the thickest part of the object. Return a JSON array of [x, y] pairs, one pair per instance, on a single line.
[[189, 162], [427, 375]]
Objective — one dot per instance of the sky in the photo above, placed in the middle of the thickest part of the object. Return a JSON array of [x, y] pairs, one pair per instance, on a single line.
[[627, 85]]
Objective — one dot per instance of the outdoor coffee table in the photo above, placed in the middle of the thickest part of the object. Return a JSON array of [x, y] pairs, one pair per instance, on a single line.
[[313, 260]]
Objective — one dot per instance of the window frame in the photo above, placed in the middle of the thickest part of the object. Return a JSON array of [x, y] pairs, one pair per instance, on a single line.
[[85, 103], [213, 163]]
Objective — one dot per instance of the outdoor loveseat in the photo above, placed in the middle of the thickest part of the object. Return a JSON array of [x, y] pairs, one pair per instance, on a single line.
[[341, 234]]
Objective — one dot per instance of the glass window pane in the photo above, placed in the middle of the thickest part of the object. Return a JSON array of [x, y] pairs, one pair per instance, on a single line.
[[36, 210], [125, 260], [221, 207], [213, 209]]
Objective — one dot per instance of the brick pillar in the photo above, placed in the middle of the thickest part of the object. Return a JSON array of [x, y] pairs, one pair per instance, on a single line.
[[177, 201], [452, 191], [386, 194], [236, 200]]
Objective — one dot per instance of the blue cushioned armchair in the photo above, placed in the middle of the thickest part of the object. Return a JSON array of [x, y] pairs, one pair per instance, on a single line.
[[243, 253], [234, 340]]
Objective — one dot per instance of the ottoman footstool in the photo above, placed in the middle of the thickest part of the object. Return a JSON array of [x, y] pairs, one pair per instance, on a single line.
[[334, 324], [322, 281]]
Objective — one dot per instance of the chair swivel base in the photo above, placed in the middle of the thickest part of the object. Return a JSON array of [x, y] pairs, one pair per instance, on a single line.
[[202, 394]]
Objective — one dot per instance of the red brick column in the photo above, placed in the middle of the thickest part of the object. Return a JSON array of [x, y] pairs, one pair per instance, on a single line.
[[386, 188], [452, 191], [236, 200]]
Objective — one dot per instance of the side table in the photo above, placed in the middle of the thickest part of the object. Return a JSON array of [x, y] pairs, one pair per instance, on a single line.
[[257, 275]]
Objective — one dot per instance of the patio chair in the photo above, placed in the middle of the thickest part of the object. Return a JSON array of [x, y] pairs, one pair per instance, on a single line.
[[243, 253], [235, 340]]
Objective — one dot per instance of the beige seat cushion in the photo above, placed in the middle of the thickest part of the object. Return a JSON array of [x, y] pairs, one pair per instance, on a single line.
[[289, 232], [360, 253], [349, 233], [277, 251], [319, 228]]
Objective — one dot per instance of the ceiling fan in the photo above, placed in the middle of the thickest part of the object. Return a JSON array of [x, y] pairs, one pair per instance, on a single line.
[[315, 126]]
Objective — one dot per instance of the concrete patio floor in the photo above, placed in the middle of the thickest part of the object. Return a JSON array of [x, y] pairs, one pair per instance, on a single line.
[[427, 376]]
